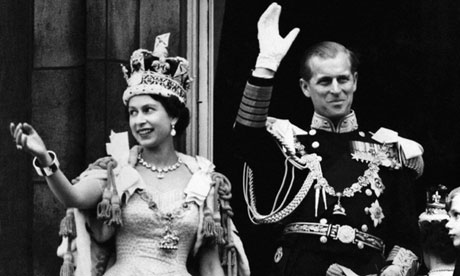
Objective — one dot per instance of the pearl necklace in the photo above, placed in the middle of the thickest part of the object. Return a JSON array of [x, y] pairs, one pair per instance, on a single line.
[[161, 171]]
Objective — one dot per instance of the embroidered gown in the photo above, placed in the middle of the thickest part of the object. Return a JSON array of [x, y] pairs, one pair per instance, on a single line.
[[138, 241], [160, 231], [155, 221]]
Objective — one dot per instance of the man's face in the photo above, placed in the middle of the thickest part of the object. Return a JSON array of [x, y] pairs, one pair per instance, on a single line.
[[331, 86], [453, 225]]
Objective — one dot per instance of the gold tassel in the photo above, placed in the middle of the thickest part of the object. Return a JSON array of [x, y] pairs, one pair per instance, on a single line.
[[234, 262], [232, 268], [67, 227], [115, 200], [220, 234], [104, 207], [209, 226], [116, 211], [67, 268]]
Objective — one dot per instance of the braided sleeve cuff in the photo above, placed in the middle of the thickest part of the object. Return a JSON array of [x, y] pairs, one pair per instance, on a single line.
[[254, 106]]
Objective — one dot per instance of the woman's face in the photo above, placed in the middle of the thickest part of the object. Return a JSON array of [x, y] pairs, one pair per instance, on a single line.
[[149, 122], [453, 225]]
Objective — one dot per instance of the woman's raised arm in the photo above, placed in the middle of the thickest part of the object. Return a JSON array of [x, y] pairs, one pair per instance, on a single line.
[[85, 194]]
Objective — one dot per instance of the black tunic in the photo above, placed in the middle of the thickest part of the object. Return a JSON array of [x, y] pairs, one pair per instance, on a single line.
[[304, 254]]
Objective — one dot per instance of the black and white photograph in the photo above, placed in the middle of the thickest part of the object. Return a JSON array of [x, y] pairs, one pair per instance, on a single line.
[[230, 138]]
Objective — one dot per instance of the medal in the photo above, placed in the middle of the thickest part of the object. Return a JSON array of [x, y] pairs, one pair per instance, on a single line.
[[170, 240], [338, 208], [369, 178]]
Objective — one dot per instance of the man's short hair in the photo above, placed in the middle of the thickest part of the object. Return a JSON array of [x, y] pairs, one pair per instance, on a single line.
[[325, 49]]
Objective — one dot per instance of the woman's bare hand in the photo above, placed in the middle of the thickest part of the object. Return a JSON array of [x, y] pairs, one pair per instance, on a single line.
[[27, 139]]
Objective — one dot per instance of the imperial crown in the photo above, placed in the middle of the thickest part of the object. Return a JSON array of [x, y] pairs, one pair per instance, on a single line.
[[435, 204], [153, 72]]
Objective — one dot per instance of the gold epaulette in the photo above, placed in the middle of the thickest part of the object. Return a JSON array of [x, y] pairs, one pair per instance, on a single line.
[[410, 152]]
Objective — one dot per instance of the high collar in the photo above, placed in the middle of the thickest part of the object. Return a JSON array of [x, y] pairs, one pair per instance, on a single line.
[[348, 123], [448, 271]]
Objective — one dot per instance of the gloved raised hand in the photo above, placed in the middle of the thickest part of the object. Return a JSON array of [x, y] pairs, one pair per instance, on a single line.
[[272, 46]]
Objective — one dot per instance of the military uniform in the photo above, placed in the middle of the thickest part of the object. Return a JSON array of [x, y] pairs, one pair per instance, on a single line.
[[350, 199]]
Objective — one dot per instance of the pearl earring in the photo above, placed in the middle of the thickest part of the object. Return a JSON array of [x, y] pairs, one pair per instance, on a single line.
[[173, 130]]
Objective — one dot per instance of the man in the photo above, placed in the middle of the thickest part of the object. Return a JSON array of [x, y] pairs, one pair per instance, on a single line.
[[345, 197]]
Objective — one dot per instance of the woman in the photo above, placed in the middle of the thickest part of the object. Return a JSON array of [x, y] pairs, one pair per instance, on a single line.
[[453, 225], [161, 205], [438, 251]]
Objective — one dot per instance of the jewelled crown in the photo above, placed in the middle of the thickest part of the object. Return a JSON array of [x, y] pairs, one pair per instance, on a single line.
[[435, 204], [153, 72]]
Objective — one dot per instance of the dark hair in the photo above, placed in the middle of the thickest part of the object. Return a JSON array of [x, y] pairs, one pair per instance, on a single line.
[[325, 49], [435, 240], [175, 108]]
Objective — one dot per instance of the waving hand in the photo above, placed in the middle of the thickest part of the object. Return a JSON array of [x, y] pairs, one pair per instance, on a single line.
[[27, 139], [272, 46]]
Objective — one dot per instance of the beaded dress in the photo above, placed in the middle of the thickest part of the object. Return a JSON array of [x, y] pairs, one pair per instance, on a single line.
[[157, 231], [160, 228], [138, 241]]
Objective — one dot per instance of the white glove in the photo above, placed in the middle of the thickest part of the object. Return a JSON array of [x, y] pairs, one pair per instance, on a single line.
[[272, 46]]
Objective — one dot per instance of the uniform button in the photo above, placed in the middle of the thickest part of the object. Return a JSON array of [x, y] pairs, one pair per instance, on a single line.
[[368, 192], [323, 239], [278, 255], [312, 132], [361, 133], [315, 144], [364, 228]]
